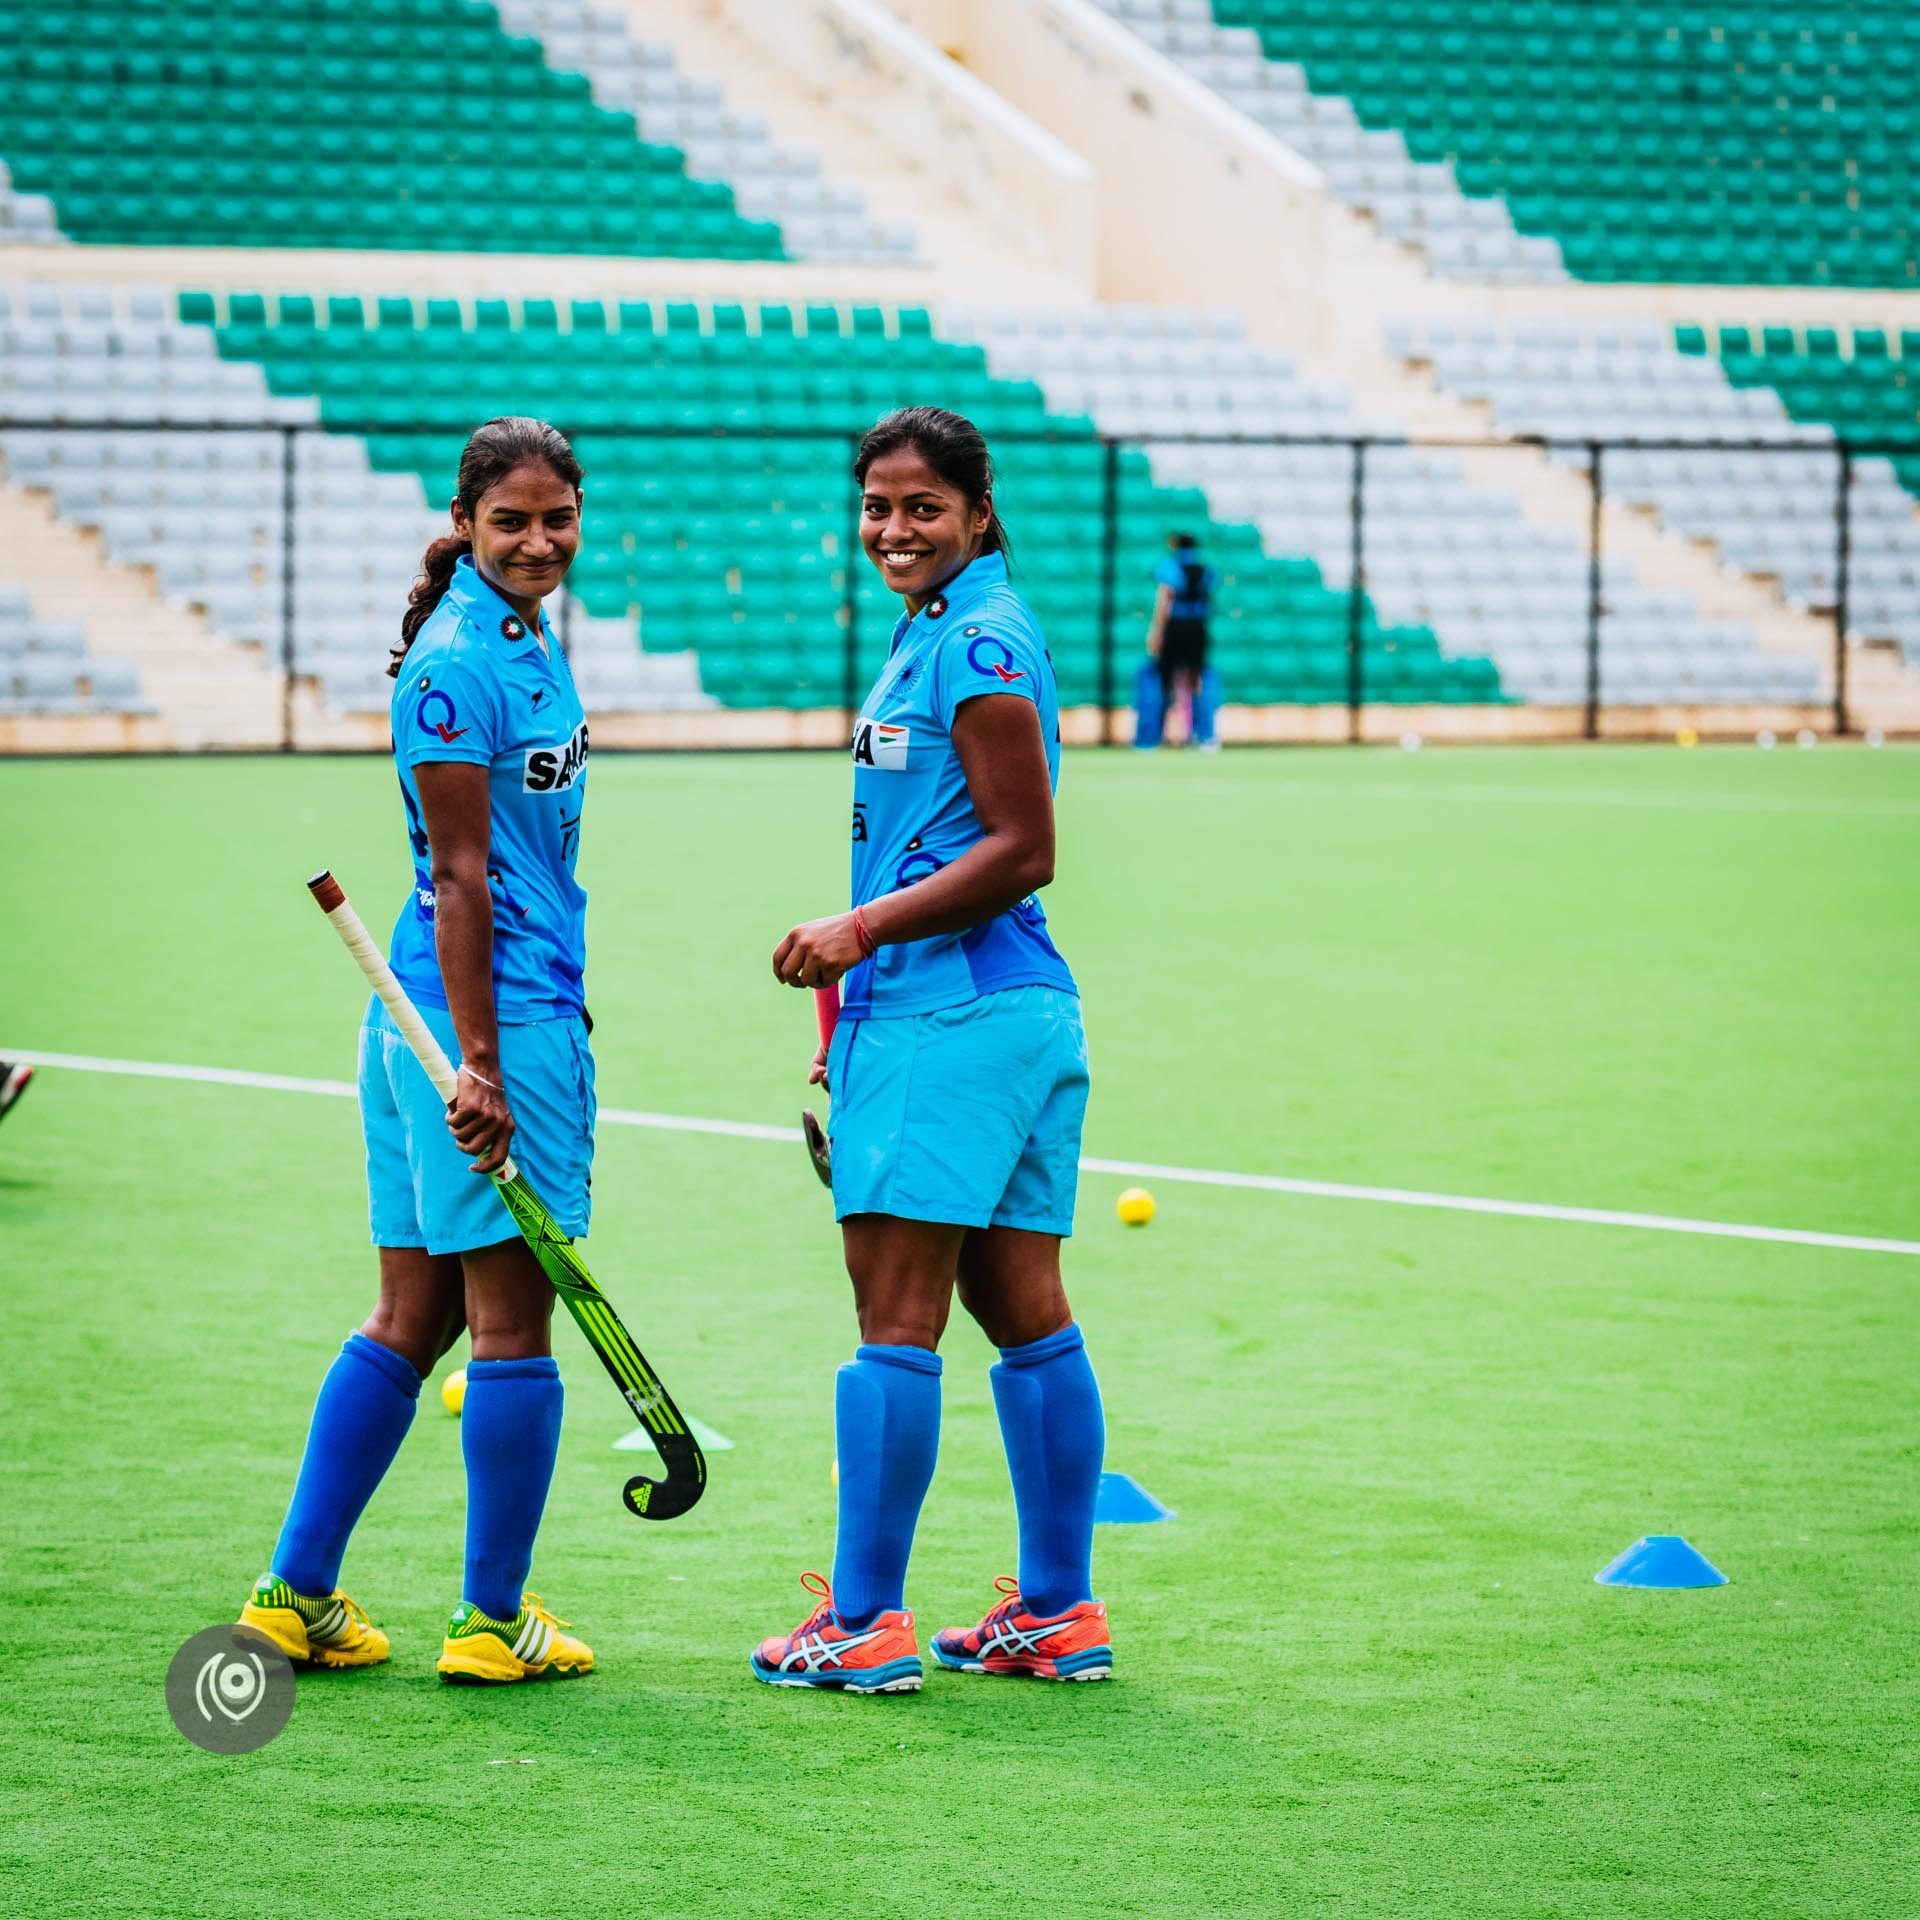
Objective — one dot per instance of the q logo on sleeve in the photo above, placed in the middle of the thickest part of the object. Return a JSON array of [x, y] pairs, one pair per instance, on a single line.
[[435, 714], [988, 655]]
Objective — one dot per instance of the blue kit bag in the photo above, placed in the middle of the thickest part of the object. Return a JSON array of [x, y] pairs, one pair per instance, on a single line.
[[1150, 711]]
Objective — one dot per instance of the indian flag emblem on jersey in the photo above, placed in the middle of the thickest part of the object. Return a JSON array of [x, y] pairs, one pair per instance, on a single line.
[[881, 745]]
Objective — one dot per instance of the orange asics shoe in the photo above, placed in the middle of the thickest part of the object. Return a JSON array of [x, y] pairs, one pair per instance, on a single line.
[[1070, 1646], [881, 1657]]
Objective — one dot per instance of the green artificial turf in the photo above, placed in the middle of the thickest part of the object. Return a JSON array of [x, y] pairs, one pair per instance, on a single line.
[[1365, 1672]]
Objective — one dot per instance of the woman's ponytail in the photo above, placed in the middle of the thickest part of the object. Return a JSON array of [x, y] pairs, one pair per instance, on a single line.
[[436, 575], [493, 452]]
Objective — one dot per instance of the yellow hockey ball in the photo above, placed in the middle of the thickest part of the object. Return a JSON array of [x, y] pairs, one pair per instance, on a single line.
[[453, 1390], [1688, 737], [1135, 1206]]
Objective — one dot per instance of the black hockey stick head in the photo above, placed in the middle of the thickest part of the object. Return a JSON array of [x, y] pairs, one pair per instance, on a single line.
[[686, 1481], [817, 1150]]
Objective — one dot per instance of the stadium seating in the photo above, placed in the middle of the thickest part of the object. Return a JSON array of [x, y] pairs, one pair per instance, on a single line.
[[818, 219], [26, 219], [201, 508], [717, 431], [734, 546], [1865, 393], [1419, 201], [1441, 554], [1865, 385], [45, 667], [1769, 512], [1510, 143], [406, 123], [1757, 143]]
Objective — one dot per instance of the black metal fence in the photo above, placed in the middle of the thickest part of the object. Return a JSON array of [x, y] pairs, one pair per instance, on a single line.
[[49, 452]]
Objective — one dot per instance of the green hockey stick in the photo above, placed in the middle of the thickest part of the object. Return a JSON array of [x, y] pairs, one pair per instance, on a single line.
[[591, 1309]]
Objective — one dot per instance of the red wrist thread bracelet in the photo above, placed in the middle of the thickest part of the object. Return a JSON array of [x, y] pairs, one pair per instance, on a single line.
[[869, 946]]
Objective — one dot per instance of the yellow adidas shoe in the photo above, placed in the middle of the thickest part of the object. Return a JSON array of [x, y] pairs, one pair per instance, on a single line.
[[320, 1630], [528, 1646]]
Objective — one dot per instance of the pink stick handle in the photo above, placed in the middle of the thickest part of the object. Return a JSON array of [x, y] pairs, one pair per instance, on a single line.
[[826, 1010]]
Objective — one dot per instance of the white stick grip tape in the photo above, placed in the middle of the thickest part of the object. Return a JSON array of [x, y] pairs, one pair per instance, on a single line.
[[393, 996], [406, 1016]]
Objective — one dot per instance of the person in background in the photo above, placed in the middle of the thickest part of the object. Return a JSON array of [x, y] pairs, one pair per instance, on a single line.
[[1177, 639]]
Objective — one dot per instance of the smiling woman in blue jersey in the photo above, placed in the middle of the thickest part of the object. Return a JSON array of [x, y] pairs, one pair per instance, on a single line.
[[958, 1074], [490, 745]]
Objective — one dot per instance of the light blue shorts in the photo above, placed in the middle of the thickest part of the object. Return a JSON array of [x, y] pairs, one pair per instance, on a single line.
[[421, 1189], [971, 1115]]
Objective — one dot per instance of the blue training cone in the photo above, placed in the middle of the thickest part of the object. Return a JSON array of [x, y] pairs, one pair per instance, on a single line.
[[1123, 1501], [1661, 1560]]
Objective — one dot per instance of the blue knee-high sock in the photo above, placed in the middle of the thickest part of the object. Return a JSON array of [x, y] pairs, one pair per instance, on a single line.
[[1055, 1436], [509, 1434], [362, 1414], [886, 1408]]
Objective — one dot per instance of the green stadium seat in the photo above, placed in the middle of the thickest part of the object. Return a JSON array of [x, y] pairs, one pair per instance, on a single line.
[[139, 135], [1862, 393], [1745, 145]]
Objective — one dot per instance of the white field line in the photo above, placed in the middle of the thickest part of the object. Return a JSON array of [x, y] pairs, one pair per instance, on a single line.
[[1514, 1209], [346, 1090], [1126, 1169]]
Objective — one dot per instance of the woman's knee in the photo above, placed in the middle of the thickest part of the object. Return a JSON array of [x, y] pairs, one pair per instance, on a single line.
[[981, 1307], [509, 1303], [1010, 1284], [420, 1340], [1020, 1322], [419, 1313], [1021, 1326], [902, 1323], [902, 1274], [512, 1329]]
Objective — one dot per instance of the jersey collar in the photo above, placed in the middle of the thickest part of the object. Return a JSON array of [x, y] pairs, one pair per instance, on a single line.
[[484, 604], [972, 583]]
